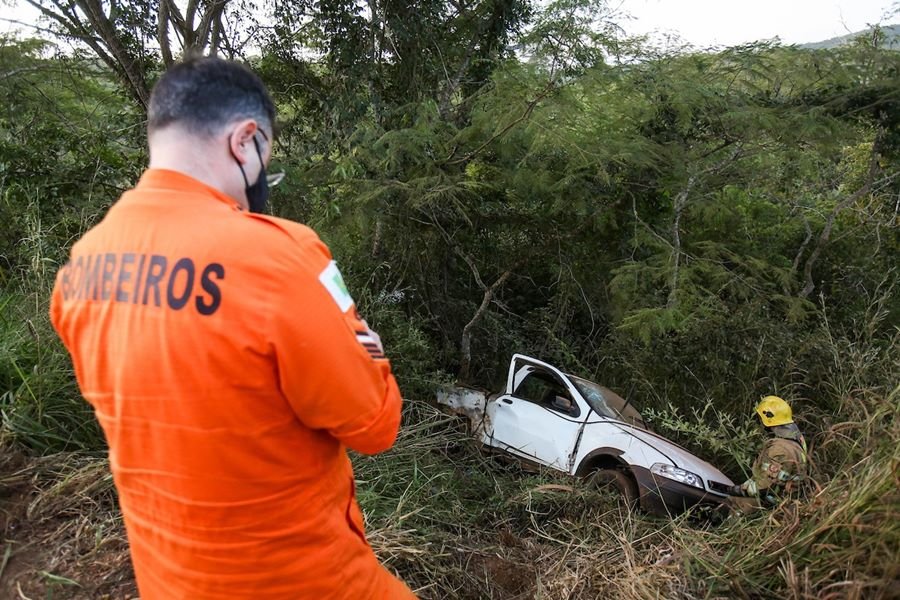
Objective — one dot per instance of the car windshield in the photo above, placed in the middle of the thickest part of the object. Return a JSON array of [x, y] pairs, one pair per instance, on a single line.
[[607, 403]]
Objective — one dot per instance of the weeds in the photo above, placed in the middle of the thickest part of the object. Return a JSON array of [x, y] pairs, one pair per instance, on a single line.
[[61, 526], [456, 524], [717, 435], [39, 402]]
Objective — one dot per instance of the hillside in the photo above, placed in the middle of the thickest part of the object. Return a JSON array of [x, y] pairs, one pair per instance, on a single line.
[[691, 230], [891, 34]]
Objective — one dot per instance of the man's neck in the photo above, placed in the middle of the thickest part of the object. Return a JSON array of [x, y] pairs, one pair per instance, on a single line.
[[172, 157], [177, 151]]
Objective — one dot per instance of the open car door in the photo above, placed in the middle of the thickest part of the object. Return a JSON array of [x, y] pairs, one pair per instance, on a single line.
[[540, 415]]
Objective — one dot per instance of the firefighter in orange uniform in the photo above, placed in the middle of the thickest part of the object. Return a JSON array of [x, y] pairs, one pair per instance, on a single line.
[[226, 363]]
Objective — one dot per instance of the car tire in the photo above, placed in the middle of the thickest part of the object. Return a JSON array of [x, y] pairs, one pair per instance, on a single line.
[[605, 479]]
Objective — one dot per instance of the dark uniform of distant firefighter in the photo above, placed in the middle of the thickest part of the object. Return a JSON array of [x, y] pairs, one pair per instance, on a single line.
[[782, 463]]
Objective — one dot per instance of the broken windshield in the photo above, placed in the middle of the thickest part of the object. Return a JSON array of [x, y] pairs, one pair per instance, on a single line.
[[607, 403]]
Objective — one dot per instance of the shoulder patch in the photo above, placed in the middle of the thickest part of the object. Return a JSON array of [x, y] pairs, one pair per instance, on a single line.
[[333, 281]]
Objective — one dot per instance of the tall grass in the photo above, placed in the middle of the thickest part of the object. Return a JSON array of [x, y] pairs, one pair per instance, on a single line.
[[40, 404], [842, 541], [457, 524]]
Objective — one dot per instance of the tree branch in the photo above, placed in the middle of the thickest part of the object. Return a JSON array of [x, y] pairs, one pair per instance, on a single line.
[[795, 266], [162, 33], [678, 207], [188, 31], [77, 30], [527, 113], [99, 33], [453, 84], [210, 16], [465, 345], [832, 217], [128, 64]]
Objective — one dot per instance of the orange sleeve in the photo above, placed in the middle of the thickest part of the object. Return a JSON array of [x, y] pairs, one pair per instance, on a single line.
[[328, 374], [56, 301]]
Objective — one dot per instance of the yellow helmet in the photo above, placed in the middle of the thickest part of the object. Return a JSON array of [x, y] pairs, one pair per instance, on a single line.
[[773, 411]]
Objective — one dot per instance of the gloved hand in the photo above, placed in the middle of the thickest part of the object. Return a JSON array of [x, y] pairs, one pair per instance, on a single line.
[[736, 490]]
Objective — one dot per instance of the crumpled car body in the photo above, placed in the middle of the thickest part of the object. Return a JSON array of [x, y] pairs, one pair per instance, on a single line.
[[551, 419]]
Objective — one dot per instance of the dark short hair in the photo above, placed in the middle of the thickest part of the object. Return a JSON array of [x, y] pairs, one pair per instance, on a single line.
[[203, 94]]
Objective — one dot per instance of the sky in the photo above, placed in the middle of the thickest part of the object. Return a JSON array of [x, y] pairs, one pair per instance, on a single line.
[[701, 23], [704, 23]]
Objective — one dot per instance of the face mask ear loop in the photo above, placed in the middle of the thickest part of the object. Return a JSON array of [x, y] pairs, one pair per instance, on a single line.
[[244, 175], [241, 167], [257, 194], [259, 154]]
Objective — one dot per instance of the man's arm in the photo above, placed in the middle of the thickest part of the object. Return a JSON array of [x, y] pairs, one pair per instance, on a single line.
[[763, 477], [330, 366]]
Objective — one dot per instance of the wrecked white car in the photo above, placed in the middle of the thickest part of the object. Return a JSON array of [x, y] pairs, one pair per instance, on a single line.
[[548, 418]]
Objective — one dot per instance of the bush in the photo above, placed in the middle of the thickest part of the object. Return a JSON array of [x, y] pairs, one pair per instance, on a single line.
[[40, 405]]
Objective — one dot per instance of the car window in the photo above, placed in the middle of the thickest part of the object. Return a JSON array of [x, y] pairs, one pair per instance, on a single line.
[[541, 387], [607, 403]]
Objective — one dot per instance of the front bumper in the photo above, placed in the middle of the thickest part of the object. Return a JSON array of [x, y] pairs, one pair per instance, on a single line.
[[666, 497]]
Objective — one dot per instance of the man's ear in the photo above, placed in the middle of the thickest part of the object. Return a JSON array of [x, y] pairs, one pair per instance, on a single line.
[[240, 140]]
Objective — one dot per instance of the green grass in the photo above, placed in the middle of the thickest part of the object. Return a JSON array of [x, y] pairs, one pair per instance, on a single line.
[[40, 404]]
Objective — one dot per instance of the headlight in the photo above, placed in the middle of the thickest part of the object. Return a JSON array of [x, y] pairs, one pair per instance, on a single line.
[[670, 472]]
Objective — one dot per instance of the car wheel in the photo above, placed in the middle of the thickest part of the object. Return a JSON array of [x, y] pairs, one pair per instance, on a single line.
[[621, 482]]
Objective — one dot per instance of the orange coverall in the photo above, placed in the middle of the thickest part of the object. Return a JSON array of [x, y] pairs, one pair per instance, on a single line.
[[229, 369]]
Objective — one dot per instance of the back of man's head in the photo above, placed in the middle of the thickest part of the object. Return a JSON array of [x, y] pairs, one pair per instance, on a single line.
[[203, 94]]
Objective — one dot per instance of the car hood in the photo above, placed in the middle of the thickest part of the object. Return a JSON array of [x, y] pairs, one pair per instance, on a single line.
[[679, 456]]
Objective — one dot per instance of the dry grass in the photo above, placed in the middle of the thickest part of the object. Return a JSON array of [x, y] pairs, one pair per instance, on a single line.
[[456, 524], [62, 532], [522, 538]]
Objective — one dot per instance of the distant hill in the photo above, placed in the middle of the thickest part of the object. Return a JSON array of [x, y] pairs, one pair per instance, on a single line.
[[892, 32]]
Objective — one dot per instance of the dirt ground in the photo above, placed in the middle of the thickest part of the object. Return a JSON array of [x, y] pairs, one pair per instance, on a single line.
[[62, 537]]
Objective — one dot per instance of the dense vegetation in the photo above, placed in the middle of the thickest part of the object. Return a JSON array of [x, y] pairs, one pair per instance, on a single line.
[[694, 229]]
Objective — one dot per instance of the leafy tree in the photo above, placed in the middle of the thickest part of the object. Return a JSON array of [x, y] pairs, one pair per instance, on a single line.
[[69, 145], [134, 39], [500, 176]]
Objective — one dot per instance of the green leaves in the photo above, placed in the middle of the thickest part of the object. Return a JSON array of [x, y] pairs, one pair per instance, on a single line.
[[640, 210]]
